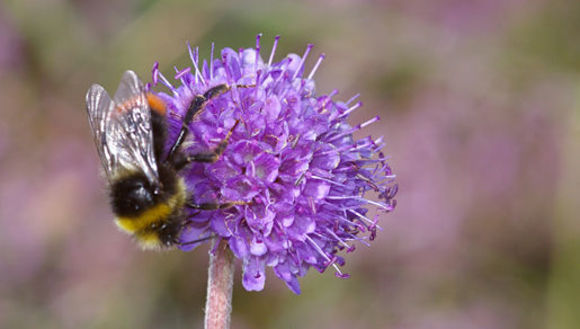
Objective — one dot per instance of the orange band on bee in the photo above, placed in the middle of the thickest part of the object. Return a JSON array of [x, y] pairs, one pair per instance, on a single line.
[[156, 103]]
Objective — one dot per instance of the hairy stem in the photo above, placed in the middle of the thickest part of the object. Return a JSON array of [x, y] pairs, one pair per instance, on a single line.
[[219, 286]]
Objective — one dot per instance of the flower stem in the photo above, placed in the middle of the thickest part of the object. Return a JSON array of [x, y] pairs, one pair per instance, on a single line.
[[219, 286]]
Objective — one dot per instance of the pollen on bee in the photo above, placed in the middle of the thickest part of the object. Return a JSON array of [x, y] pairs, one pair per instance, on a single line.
[[156, 104]]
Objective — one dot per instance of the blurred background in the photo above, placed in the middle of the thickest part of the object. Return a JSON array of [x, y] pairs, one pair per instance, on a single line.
[[480, 108]]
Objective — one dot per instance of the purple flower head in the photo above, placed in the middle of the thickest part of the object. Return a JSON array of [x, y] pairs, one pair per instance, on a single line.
[[292, 166]]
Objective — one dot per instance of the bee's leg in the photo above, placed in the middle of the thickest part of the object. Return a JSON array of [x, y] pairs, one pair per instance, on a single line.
[[197, 105], [207, 157], [215, 206], [178, 242]]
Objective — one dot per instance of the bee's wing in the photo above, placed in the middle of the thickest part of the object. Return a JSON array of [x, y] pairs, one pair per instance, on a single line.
[[99, 106], [122, 128]]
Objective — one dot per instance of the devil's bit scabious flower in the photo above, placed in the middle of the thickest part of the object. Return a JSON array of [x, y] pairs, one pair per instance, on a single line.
[[292, 158]]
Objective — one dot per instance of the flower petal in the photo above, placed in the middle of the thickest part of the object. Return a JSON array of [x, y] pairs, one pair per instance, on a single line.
[[254, 275]]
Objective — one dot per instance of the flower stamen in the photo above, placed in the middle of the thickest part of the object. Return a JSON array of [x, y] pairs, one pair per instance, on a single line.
[[299, 68], [211, 62], [276, 38], [355, 128], [194, 59], [327, 180], [320, 59], [155, 73], [258, 37], [341, 241], [180, 74], [351, 109], [365, 218], [167, 83], [329, 261], [352, 99]]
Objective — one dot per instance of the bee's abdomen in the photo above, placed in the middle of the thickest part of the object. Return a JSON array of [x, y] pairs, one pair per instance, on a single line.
[[155, 215]]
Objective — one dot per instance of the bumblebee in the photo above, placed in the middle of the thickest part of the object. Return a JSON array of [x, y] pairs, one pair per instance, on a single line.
[[147, 195]]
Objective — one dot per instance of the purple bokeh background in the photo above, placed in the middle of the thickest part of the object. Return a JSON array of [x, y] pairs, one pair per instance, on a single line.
[[479, 107]]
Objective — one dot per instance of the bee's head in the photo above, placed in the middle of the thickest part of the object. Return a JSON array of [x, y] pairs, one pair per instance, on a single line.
[[132, 195]]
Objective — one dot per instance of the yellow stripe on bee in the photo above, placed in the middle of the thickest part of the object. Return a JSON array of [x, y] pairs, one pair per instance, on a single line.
[[153, 215]]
